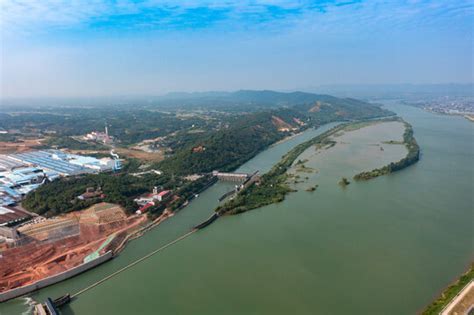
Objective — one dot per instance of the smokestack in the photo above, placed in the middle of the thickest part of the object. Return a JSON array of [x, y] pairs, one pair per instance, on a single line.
[[106, 130]]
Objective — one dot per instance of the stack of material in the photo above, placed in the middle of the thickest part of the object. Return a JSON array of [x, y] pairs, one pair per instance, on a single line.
[[103, 213], [51, 229]]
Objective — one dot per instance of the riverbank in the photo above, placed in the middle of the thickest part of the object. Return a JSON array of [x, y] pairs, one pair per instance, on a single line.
[[469, 117], [286, 138], [452, 293]]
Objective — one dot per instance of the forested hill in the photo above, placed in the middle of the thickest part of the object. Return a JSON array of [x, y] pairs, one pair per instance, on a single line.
[[229, 147], [249, 99]]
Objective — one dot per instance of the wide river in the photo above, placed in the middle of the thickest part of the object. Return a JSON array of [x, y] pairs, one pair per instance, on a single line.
[[386, 246]]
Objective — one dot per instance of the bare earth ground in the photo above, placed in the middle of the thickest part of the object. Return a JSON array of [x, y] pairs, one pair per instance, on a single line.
[[128, 153], [142, 155], [18, 147], [29, 263]]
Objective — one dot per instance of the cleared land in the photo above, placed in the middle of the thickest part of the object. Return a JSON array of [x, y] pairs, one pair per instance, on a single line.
[[48, 247], [19, 146], [125, 153]]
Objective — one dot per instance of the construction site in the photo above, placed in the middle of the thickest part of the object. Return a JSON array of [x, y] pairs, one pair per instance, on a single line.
[[47, 247]]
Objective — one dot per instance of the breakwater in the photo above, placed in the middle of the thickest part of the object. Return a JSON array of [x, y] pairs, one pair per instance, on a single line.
[[210, 220], [131, 265], [227, 194]]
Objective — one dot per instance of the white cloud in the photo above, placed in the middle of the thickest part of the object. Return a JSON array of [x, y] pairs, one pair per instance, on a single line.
[[30, 16]]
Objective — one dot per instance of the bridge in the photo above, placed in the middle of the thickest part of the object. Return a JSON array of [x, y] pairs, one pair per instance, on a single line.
[[246, 181]]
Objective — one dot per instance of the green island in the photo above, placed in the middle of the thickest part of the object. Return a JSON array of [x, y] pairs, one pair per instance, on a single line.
[[312, 188], [273, 186], [449, 293], [344, 182], [411, 158]]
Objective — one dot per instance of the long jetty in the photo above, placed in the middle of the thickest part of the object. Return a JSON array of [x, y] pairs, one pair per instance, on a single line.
[[204, 224], [132, 264], [198, 227]]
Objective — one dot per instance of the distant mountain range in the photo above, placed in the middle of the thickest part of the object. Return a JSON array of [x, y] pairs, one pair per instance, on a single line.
[[262, 98]]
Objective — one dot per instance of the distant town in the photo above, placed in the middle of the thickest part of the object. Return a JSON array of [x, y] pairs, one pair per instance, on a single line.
[[463, 106]]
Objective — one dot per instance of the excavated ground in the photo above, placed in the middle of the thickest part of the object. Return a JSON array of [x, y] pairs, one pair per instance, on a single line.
[[37, 259]]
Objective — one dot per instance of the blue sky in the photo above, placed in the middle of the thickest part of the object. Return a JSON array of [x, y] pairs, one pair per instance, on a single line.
[[99, 48]]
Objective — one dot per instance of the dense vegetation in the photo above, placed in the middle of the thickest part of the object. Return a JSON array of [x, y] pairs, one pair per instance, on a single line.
[[226, 149], [127, 125], [60, 195], [252, 101], [449, 293], [412, 157]]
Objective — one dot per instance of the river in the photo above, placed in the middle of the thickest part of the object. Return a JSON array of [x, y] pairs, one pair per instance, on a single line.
[[386, 246]]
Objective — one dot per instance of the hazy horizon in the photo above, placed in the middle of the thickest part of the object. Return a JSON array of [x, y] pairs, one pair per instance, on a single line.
[[341, 90], [106, 49]]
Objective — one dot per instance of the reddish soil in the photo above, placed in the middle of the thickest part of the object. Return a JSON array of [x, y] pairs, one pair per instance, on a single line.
[[36, 260], [281, 124], [126, 153], [316, 108]]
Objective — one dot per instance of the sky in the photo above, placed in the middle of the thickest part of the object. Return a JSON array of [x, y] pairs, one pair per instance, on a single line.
[[86, 48]]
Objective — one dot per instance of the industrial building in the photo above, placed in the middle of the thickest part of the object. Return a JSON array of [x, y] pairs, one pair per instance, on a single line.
[[9, 219], [16, 183], [11, 216], [8, 163], [98, 136], [155, 196], [23, 172], [65, 164]]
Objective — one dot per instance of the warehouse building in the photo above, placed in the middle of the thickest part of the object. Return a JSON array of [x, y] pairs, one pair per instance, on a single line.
[[23, 172]]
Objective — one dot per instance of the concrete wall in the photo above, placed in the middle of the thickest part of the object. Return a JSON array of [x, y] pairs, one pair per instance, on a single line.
[[7, 295], [8, 232]]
